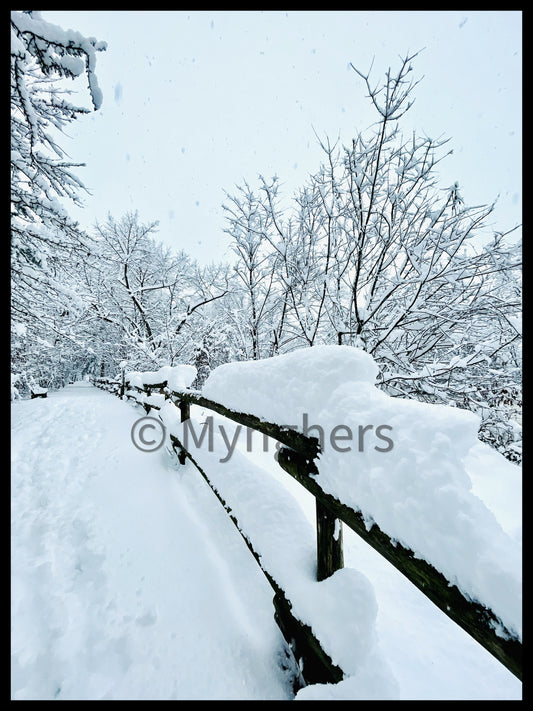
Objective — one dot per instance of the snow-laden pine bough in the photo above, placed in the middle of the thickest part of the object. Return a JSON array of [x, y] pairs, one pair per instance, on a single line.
[[321, 657]]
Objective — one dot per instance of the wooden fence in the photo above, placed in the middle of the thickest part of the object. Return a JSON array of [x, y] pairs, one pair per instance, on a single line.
[[296, 457]]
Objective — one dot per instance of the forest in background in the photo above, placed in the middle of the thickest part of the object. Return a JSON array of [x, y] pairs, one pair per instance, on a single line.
[[371, 252]]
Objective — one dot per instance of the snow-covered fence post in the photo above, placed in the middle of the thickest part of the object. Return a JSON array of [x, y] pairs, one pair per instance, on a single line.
[[329, 550], [185, 414], [329, 553], [475, 618], [185, 410], [122, 381]]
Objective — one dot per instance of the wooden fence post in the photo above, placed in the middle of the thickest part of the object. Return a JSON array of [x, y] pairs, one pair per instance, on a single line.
[[329, 553], [185, 410]]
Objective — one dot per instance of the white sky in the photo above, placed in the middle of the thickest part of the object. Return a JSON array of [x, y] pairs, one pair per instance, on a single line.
[[197, 101]]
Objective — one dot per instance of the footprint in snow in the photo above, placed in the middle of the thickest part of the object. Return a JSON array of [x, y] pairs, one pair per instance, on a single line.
[[149, 618]]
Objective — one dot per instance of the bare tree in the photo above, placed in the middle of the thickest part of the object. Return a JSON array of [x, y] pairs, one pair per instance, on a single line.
[[250, 224], [44, 239], [146, 294], [41, 230], [374, 253]]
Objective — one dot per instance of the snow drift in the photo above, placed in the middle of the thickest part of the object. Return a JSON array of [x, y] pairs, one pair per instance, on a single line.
[[415, 485]]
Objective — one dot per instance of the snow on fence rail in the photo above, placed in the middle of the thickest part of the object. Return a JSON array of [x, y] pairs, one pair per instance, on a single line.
[[297, 457]]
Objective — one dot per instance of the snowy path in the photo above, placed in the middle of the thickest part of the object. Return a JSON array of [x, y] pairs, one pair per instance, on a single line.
[[129, 581], [120, 590]]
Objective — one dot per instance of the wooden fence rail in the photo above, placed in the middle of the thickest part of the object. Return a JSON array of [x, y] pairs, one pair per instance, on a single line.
[[296, 457]]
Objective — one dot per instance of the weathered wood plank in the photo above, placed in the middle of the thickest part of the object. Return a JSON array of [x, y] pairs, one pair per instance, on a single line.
[[309, 446], [288, 436], [315, 665]]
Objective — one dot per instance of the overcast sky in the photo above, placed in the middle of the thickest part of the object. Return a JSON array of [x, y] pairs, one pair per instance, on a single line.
[[196, 102]]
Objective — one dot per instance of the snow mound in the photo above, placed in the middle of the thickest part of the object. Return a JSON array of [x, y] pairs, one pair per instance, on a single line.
[[402, 463], [371, 682], [291, 384], [176, 377], [342, 609]]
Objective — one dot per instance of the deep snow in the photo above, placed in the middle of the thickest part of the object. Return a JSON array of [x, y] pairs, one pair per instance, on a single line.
[[401, 462], [130, 581], [128, 578]]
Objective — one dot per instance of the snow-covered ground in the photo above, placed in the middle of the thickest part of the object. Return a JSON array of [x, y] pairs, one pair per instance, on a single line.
[[129, 581]]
